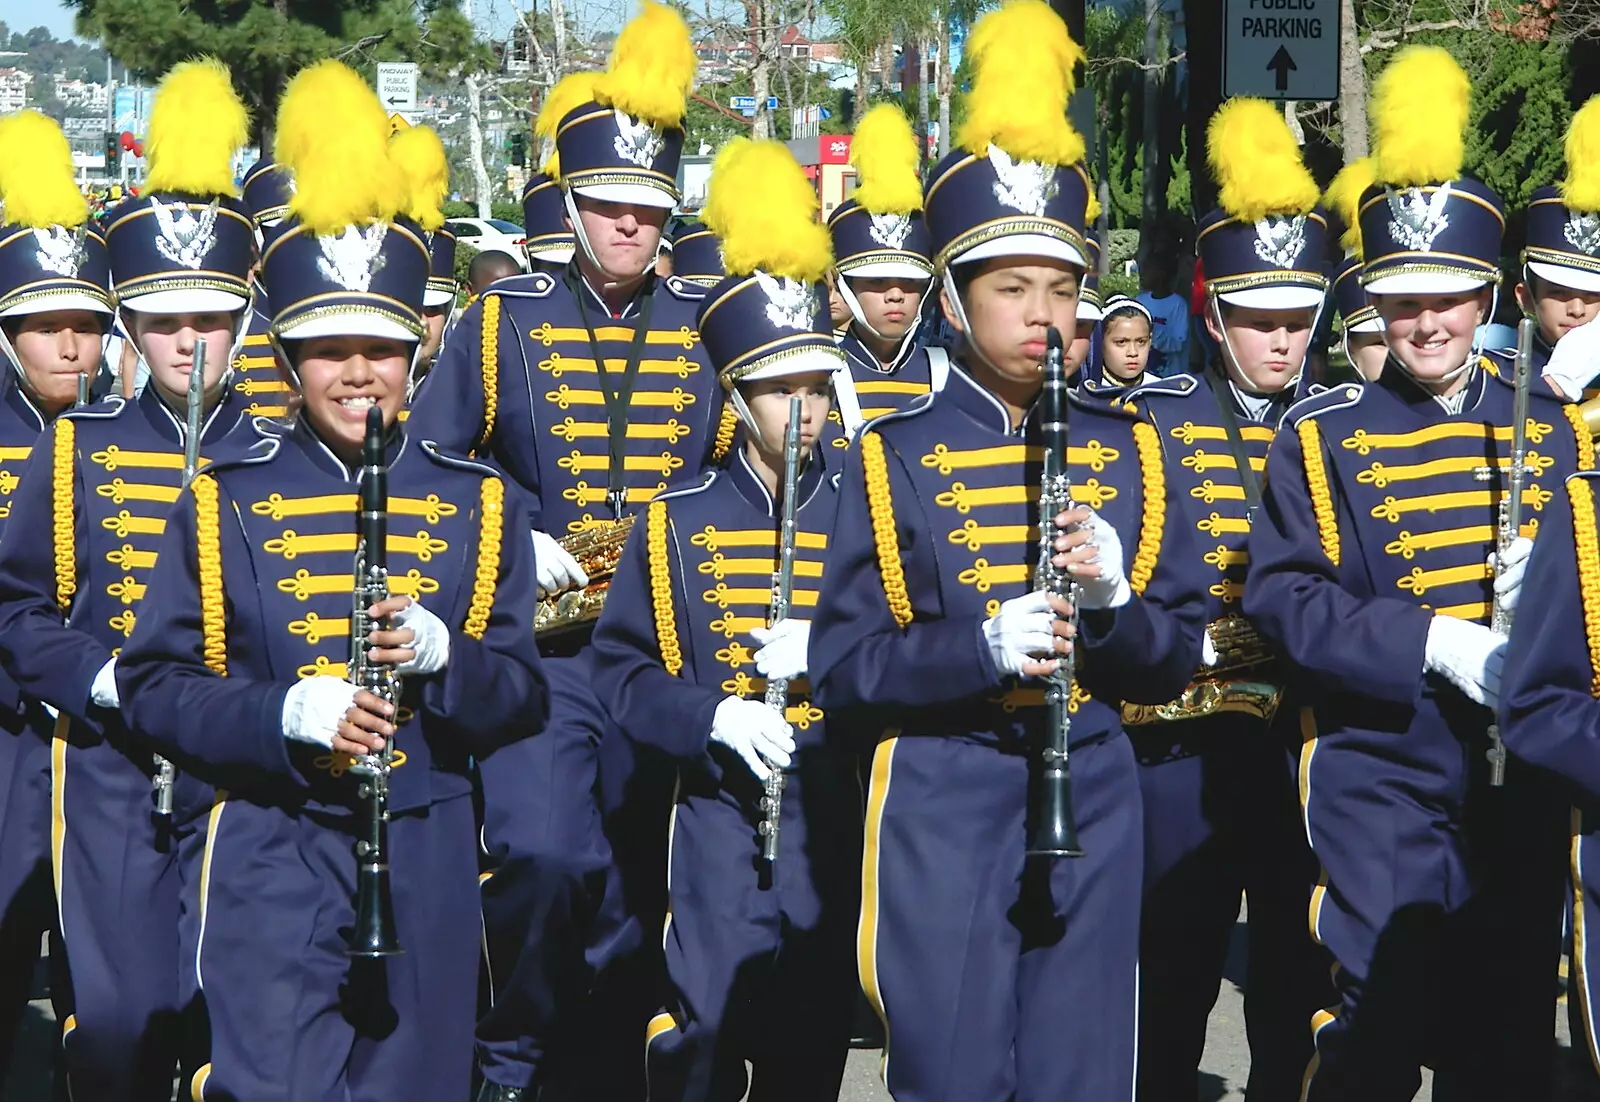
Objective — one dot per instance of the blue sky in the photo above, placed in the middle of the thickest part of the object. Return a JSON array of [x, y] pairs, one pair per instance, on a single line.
[[24, 15]]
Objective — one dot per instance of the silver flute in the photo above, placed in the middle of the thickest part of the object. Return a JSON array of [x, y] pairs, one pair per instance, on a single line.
[[1509, 522], [777, 697]]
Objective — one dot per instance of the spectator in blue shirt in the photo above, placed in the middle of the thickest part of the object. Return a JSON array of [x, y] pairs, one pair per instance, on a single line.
[[1169, 341]]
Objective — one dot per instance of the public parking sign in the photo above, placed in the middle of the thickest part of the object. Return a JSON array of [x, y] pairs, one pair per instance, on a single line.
[[1281, 49]]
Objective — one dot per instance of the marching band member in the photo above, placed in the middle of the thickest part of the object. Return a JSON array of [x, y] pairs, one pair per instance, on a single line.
[[1560, 286], [1362, 338], [590, 389], [420, 157], [883, 260], [55, 310], [1221, 813], [697, 256], [758, 954], [1124, 333], [929, 634], [265, 191], [89, 511], [548, 238], [1371, 571], [239, 667]]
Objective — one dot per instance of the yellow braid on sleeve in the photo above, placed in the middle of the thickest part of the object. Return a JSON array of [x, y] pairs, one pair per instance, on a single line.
[[63, 512], [655, 534], [880, 506], [492, 502], [726, 426], [208, 554], [1581, 433], [491, 366], [1153, 475], [1317, 483], [1588, 550]]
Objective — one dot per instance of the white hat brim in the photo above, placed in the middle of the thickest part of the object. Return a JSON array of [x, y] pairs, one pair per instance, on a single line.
[[816, 360], [1575, 278], [193, 301], [65, 301], [1274, 298], [353, 324], [888, 269], [1371, 325], [1425, 283], [1088, 311], [1024, 245], [437, 298], [641, 195], [560, 255]]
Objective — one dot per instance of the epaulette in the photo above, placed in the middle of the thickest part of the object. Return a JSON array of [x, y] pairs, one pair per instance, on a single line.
[[683, 289], [1505, 375], [1173, 386], [704, 482], [261, 451], [459, 463], [1315, 405], [110, 406], [532, 285], [920, 404], [1093, 403]]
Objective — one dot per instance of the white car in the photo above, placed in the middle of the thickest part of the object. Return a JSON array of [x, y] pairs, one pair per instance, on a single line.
[[486, 234]]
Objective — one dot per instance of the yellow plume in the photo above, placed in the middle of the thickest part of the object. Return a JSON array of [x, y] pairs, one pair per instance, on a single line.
[[884, 152], [333, 135], [764, 211], [1256, 162], [1092, 209], [196, 126], [37, 183], [1023, 61], [419, 156], [1344, 199], [572, 90], [1580, 188], [652, 67], [1420, 106]]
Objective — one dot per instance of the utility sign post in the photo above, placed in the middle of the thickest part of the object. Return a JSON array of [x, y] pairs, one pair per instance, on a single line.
[[1281, 49], [397, 86]]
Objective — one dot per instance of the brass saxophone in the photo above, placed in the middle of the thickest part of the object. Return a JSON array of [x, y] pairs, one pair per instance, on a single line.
[[777, 697]]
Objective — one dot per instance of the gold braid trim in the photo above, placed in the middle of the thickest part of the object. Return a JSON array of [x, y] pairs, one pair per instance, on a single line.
[[1588, 548], [1585, 438], [492, 499], [655, 534], [491, 366], [881, 507], [1153, 475], [63, 513], [208, 553], [726, 426], [1317, 483]]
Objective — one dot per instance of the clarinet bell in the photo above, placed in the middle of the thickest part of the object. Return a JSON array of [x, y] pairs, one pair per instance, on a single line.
[[1055, 834], [374, 935]]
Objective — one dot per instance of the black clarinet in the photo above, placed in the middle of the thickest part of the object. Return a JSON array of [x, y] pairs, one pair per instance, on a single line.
[[1054, 830], [374, 934]]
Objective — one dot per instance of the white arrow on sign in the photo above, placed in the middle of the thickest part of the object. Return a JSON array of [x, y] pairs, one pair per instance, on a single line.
[[397, 85]]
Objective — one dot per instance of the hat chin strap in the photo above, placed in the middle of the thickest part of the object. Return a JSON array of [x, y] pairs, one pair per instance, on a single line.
[[741, 409], [22, 374], [1230, 361], [966, 327], [612, 279], [859, 313], [1432, 386]]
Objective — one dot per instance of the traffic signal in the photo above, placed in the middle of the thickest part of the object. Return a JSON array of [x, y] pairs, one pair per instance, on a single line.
[[518, 148], [113, 145]]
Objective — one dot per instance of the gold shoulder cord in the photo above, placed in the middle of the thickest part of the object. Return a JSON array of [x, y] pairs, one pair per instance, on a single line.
[[726, 426], [655, 534], [1317, 483], [1581, 433], [491, 366], [1153, 476], [880, 506], [63, 513], [1588, 550], [491, 500], [208, 554]]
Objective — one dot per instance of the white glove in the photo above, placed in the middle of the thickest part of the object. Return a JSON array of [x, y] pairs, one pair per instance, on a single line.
[[755, 732], [314, 707], [783, 648], [1575, 360], [1467, 655], [1021, 632], [104, 690], [1208, 650], [554, 568], [431, 642], [1509, 572], [1110, 589]]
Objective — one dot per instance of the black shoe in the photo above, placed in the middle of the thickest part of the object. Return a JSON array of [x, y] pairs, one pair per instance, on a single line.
[[494, 1092]]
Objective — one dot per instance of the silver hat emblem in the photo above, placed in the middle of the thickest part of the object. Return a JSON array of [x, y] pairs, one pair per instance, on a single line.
[[353, 257], [1582, 232], [890, 230], [1023, 185], [789, 301], [1417, 219], [60, 250], [1279, 241], [185, 237], [637, 141]]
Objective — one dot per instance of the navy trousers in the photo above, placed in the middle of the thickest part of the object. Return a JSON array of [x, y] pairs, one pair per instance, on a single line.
[[758, 956], [117, 887], [1222, 819], [288, 1016], [27, 894], [1000, 977]]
